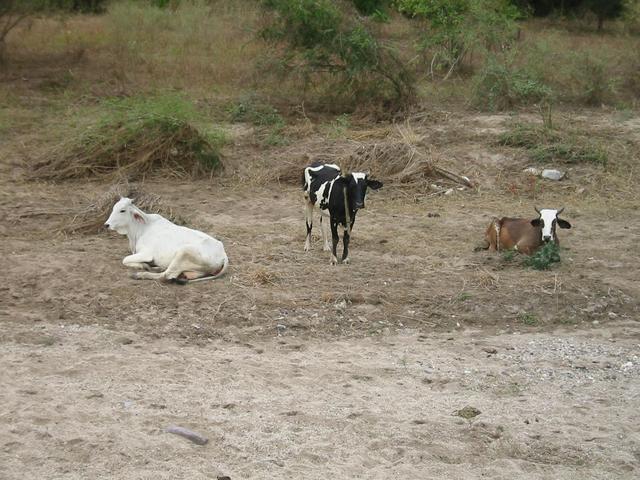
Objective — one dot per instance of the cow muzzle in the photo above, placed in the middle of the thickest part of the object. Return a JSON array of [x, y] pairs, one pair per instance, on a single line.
[[546, 238]]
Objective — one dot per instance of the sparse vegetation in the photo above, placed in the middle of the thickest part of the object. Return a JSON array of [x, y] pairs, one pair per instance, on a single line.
[[555, 144]]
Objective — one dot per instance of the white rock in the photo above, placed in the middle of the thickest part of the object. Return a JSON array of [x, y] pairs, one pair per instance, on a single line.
[[532, 171], [552, 174]]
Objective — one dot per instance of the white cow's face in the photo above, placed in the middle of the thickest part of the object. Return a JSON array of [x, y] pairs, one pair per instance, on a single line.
[[548, 221], [122, 216]]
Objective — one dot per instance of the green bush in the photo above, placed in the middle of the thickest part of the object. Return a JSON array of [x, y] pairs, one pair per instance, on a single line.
[[324, 43], [500, 84], [544, 258]]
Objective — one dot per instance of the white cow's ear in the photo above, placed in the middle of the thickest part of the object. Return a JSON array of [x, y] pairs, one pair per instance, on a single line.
[[138, 218]]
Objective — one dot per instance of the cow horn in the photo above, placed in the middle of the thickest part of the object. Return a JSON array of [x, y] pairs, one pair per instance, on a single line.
[[560, 211], [537, 211]]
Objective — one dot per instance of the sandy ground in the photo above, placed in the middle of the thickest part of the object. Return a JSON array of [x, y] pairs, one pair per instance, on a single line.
[[296, 369]]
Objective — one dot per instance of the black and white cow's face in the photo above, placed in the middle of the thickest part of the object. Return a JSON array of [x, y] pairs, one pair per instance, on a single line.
[[357, 184], [547, 222]]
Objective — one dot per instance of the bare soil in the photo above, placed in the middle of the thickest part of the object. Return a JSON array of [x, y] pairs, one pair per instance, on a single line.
[[296, 369]]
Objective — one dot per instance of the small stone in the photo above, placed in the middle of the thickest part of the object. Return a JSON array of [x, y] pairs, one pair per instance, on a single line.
[[552, 174], [490, 350]]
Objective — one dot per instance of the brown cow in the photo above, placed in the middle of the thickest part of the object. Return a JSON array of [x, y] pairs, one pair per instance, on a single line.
[[523, 235]]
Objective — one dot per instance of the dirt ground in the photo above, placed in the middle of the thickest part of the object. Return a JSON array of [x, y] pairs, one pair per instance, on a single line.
[[296, 369]]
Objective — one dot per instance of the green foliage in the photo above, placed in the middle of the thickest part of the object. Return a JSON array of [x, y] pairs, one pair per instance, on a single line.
[[455, 28], [544, 258], [527, 318], [323, 42], [546, 144], [508, 255], [501, 84]]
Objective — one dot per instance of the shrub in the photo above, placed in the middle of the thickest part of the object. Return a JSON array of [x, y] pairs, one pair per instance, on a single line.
[[323, 42], [593, 82], [500, 84], [544, 258]]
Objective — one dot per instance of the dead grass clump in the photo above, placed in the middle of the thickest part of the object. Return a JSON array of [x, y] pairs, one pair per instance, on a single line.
[[263, 276], [135, 137], [90, 220], [398, 162]]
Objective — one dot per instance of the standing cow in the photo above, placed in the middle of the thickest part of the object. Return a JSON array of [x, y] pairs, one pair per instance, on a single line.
[[523, 235], [338, 197], [167, 251]]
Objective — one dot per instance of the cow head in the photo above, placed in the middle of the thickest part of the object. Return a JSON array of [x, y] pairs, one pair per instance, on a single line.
[[124, 215], [547, 221], [356, 185]]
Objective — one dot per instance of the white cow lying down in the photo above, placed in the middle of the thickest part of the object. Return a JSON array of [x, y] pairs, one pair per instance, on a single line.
[[167, 251]]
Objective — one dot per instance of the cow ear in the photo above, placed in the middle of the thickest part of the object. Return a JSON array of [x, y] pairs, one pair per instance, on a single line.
[[374, 184], [138, 218], [535, 222], [563, 223]]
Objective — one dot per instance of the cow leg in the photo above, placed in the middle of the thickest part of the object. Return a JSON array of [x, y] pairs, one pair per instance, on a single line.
[[139, 261], [345, 245], [308, 217], [334, 241], [187, 261], [324, 226]]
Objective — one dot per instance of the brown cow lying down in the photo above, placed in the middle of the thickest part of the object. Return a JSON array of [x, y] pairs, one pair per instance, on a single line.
[[523, 235]]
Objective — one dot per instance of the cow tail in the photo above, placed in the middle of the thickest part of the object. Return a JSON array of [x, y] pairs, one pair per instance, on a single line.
[[497, 225], [213, 277]]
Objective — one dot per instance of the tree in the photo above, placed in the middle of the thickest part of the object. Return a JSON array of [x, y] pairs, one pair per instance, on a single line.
[[455, 28]]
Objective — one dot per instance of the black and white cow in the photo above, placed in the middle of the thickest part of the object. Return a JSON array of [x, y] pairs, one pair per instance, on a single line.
[[339, 197]]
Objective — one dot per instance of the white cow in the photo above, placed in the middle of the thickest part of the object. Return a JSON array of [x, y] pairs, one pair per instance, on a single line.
[[167, 251]]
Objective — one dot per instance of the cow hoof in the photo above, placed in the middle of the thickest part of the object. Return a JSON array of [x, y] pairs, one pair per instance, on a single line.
[[346, 261], [135, 275], [334, 261], [306, 246], [178, 281]]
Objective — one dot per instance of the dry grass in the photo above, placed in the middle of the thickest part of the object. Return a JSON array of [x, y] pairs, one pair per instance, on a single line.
[[90, 220], [136, 46]]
